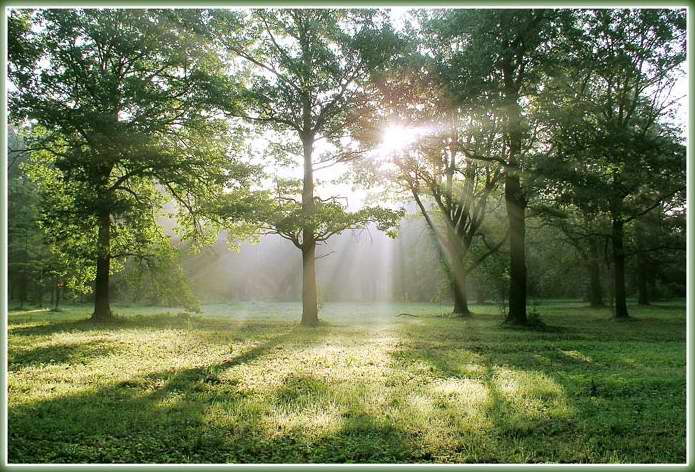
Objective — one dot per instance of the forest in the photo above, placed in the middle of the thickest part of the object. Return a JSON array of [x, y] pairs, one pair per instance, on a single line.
[[375, 235]]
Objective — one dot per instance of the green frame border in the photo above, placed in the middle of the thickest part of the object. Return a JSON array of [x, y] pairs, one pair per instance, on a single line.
[[690, 284]]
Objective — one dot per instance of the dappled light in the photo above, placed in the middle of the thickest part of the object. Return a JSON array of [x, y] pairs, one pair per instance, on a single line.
[[256, 391], [346, 235]]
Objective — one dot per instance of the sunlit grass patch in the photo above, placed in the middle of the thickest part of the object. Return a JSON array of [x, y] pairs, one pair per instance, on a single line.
[[430, 389]]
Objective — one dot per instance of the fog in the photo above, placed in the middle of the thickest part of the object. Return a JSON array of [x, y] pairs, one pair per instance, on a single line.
[[363, 265]]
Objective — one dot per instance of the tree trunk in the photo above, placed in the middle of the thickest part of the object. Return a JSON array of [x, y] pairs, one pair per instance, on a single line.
[[102, 309], [57, 301], [24, 280], [514, 198], [595, 289], [516, 213], [619, 269], [310, 311], [455, 254], [643, 265], [642, 282], [460, 297], [39, 289]]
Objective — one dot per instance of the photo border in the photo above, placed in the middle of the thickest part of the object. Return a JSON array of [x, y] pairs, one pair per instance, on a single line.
[[690, 220]]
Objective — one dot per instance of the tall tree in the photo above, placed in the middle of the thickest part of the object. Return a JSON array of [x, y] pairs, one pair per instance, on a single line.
[[443, 168], [117, 103], [610, 133], [447, 186], [500, 55], [306, 73]]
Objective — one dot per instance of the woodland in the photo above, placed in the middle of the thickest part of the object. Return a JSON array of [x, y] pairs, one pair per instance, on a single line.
[[346, 235]]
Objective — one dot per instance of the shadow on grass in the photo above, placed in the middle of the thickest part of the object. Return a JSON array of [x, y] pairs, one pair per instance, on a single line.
[[154, 418], [455, 392], [559, 397], [158, 321], [66, 353], [197, 415]]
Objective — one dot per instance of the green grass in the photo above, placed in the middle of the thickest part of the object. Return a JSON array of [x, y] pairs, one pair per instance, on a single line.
[[245, 383]]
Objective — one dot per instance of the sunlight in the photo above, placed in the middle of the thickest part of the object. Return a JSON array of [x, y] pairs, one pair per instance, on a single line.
[[396, 138]]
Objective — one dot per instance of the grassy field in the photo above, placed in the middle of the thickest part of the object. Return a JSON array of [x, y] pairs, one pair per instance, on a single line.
[[245, 383]]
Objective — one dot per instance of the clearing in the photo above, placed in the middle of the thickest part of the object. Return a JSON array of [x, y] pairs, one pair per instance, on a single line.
[[246, 383]]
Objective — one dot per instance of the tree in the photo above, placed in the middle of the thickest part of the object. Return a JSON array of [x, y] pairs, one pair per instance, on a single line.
[[433, 168], [117, 103], [657, 242], [306, 72], [499, 56], [580, 224], [610, 136]]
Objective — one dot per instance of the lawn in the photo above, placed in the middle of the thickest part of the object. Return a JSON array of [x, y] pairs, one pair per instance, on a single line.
[[245, 383]]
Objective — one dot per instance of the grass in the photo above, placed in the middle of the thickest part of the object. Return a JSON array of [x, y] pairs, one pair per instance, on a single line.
[[245, 383]]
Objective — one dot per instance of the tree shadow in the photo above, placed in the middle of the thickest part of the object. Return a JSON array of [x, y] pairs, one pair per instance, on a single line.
[[158, 417], [204, 415], [158, 321], [552, 387], [490, 399], [65, 353]]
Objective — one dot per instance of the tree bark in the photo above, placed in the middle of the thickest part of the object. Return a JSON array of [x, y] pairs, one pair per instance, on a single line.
[[460, 296], [310, 311], [595, 289], [619, 269], [102, 309], [24, 280], [516, 213], [515, 200]]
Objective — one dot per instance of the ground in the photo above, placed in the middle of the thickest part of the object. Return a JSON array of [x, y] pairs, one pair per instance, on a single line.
[[246, 383]]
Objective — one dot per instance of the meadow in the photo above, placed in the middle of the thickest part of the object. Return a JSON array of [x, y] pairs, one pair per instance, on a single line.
[[244, 383]]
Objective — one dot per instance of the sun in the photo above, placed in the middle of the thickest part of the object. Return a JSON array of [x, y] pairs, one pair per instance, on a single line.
[[396, 138]]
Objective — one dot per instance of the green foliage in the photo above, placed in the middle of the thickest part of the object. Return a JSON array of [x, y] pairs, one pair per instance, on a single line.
[[120, 126], [144, 116], [607, 110], [287, 57], [157, 280], [303, 77], [330, 216]]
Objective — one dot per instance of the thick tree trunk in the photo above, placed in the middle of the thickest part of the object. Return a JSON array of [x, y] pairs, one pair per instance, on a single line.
[[457, 272], [514, 198], [460, 297], [619, 269], [516, 213], [39, 290], [310, 311], [595, 289], [102, 309], [24, 279]]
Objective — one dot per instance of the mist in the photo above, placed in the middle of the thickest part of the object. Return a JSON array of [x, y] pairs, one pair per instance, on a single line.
[[355, 266]]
